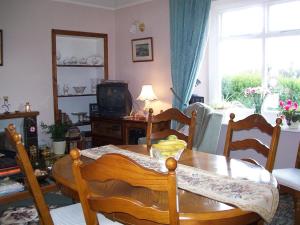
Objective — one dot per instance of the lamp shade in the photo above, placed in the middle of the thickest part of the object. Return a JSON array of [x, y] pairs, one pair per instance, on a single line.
[[147, 94]]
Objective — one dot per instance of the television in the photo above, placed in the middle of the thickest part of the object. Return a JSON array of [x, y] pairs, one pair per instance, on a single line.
[[113, 99]]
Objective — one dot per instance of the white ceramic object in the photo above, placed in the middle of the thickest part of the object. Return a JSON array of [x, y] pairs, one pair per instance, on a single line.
[[73, 60], [294, 125], [67, 61], [95, 60], [83, 60], [59, 147]]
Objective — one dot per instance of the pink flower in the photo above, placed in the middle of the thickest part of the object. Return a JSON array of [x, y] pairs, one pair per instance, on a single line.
[[287, 107], [252, 91], [289, 102], [295, 105], [281, 103]]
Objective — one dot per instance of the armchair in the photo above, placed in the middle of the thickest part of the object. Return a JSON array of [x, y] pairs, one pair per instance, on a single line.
[[207, 128]]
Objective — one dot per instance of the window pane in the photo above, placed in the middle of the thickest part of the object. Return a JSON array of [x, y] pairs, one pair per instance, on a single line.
[[237, 56], [284, 16], [283, 54], [240, 66], [242, 21]]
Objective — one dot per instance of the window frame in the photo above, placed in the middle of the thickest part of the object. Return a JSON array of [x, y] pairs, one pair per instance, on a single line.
[[217, 9]]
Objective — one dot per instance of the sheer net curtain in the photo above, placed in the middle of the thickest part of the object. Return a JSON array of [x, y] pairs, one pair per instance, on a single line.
[[189, 23]]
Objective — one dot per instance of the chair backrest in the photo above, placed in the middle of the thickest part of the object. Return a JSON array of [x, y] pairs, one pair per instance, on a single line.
[[118, 168], [254, 121], [168, 115], [31, 180]]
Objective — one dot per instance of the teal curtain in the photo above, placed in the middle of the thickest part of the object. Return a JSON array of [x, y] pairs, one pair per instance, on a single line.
[[188, 24]]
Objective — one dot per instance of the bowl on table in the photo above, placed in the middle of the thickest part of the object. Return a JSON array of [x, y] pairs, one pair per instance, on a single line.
[[167, 148], [79, 89], [163, 154]]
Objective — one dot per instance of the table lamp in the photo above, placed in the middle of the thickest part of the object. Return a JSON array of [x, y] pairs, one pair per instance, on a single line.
[[147, 95]]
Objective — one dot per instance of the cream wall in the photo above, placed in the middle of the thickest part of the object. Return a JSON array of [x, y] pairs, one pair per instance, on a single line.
[[155, 15], [27, 72]]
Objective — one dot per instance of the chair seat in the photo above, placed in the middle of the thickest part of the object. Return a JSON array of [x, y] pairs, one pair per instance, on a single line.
[[73, 215], [289, 177]]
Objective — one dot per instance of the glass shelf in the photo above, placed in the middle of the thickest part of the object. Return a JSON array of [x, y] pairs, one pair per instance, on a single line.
[[82, 123], [65, 96], [75, 65]]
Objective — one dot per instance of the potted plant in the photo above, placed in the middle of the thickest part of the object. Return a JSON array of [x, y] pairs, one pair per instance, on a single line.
[[289, 110], [57, 132]]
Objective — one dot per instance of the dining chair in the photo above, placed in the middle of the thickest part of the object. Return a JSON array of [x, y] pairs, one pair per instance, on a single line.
[[289, 181], [172, 114], [254, 121], [134, 183], [67, 215]]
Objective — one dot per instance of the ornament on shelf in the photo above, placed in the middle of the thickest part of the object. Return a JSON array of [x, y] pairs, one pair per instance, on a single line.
[[5, 104], [66, 89], [27, 107]]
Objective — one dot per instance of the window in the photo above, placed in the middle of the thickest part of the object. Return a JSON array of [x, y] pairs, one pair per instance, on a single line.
[[254, 43]]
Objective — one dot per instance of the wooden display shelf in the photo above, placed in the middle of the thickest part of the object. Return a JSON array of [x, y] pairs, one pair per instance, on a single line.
[[4, 116], [78, 65], [97, 45]]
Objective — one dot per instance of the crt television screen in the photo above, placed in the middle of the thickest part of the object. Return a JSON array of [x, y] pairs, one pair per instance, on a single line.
[[114, 99]]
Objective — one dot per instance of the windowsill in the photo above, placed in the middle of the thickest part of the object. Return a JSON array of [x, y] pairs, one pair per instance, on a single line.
[[241, 113]]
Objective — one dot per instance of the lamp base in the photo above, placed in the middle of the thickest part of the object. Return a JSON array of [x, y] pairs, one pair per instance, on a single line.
[[146, 112]]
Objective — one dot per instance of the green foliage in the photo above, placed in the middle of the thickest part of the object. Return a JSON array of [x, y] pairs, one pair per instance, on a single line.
[[289, 88], [233, 87], [57, 131]]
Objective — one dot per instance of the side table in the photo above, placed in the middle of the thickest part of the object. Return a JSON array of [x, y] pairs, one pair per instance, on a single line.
[[121, 131], [135, 128]]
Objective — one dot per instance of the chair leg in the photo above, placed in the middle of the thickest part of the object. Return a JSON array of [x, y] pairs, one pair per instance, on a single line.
[[297, 207]]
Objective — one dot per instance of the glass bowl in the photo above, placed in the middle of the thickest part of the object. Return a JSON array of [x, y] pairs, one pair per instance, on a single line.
[[162, 155], [79, 90]]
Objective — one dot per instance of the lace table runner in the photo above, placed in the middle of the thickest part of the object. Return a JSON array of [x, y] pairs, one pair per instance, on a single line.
[[247, 195]]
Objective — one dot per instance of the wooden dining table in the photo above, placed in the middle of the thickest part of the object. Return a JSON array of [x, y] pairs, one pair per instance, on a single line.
[[193, 208]]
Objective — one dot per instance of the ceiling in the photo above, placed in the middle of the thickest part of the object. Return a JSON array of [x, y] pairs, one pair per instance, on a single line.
[[106, 4]]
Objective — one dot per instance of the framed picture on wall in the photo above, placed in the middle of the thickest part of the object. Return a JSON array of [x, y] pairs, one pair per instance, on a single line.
[[142, 49], [1, 48]]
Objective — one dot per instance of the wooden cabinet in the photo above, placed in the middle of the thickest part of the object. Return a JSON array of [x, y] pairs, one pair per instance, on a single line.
[[79, 59], [120, 131], [30, 133], [106, 131], [30, 139]]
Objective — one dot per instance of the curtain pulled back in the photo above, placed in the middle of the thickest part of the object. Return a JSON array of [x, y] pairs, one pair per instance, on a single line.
[[188, 24]]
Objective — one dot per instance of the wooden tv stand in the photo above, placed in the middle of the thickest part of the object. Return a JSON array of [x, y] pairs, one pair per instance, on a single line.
[[120, 131]]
